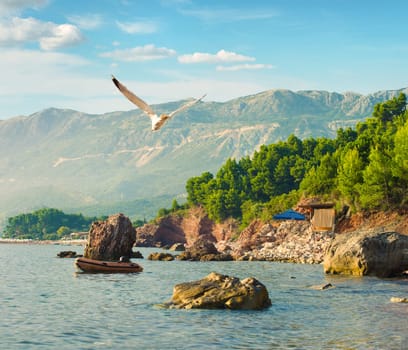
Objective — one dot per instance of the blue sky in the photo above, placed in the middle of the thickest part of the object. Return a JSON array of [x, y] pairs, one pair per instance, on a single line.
[[61, 53]]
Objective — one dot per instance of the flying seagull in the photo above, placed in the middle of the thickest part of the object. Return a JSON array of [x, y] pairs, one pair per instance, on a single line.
[[157, 121]]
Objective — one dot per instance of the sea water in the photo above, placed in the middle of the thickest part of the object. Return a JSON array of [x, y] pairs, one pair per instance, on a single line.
[[46, 304]]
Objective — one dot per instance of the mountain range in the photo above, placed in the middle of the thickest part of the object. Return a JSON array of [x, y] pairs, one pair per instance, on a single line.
[[113, 162]]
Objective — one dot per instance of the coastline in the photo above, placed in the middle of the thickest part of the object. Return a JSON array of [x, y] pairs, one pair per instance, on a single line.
[[80, 242]]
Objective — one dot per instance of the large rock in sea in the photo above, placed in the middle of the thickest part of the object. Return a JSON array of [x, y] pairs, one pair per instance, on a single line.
[[367, 253], [218, 291], [110, 239]]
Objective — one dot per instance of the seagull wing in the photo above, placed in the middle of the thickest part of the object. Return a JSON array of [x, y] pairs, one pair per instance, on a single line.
[[133, 98], [187, 105]]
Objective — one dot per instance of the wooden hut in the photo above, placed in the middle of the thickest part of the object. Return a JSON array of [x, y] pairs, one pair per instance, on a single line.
[[322, 216]]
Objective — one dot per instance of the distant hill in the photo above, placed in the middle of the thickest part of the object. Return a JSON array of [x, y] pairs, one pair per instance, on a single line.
[[101, 164]]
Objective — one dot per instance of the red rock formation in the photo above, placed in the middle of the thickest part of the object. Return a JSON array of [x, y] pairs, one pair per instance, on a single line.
[[110, 239], [197, 224], [194, 225]]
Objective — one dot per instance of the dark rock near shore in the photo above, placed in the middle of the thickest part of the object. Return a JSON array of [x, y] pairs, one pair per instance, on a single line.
[[217, 291], [68, 254], [203, 250], [177, 247], [110, 239], [136, 255], [381, 254]]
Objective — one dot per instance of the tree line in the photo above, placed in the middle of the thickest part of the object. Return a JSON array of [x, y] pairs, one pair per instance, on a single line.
[[47, 224], [365, 167]]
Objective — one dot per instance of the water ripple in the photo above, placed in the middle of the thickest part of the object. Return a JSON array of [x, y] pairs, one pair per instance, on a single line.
[[45, 304]]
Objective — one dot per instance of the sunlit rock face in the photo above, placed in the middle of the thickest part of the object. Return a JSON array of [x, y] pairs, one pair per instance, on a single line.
[[110, 239], [362, 253]]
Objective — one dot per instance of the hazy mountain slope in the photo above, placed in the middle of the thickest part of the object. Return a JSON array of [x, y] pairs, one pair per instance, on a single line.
[[81, 162]]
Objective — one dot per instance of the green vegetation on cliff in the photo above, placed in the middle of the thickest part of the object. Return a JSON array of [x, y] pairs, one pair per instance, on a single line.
[[365, 168]]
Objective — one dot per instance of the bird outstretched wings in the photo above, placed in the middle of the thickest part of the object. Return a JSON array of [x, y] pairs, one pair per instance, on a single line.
[[157, 122]]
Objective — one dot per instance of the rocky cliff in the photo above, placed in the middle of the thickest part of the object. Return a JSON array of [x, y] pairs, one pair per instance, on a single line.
[[289, 241], [186, 228]]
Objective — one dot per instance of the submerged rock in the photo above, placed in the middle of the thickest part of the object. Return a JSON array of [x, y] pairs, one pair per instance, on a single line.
[[110, 239], [322, 286], [367, 253], [217, 291]]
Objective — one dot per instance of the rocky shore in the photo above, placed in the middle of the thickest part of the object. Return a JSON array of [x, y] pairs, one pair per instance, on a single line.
[[288, 241]]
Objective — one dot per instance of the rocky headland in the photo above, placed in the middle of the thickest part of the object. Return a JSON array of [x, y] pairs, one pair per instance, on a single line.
[[284, 241]]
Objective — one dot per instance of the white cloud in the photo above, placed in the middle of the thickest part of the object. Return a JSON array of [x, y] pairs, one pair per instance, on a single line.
[[142, 27], [13, 6], [49, 35], [229, 15], [91, 21], [61, 36], [245, 67], [221, 56], [140, 53]]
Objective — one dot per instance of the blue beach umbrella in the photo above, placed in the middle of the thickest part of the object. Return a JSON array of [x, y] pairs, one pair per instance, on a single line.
[[289, 215]]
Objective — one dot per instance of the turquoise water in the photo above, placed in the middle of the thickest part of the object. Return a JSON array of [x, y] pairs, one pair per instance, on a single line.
[[46, 304]]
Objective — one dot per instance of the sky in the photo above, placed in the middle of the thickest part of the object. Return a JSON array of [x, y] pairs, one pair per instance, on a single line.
[[62, 53]]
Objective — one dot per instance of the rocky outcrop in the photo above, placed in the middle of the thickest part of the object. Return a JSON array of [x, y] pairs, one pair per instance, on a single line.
[[218, 291], [165, 233], [68, 254], [110, 239], [360, 253], [158, 256], [136, 255], [203, 250], [177, 247], [185, 229]]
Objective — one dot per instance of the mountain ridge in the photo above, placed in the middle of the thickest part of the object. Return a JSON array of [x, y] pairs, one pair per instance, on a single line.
[[73, 160]]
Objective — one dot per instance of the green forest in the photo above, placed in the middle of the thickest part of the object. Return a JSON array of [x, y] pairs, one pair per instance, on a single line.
[[365, 167], [46, 224]]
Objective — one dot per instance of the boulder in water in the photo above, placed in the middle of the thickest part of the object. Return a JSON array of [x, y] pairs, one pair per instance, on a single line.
[[362, 253], [217, 291]]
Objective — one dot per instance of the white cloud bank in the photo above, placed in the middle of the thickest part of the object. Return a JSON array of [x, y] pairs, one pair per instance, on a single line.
[[49, 35], [140, 53], [221, 56], [13, 6]]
